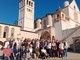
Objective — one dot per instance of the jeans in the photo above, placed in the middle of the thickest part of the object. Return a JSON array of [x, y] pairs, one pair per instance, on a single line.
[[18, 57], [50, 52], [7, 58], [65, 52]]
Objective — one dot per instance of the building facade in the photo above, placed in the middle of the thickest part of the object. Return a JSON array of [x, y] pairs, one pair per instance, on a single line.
[[26, 14], [63, 24]]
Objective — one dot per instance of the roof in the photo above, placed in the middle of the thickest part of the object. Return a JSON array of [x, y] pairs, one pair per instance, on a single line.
[[28, 31], [9, 24], [59, 10], [43, 16]]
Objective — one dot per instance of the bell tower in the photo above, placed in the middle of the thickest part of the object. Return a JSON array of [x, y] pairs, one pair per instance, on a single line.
[[26, 15]]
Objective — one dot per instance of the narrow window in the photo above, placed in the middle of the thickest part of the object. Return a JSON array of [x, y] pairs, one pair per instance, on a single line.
[[45, 23], [62, 15], [32, 4], [27, 1], [6, 32], [12, 32], [58, 16]]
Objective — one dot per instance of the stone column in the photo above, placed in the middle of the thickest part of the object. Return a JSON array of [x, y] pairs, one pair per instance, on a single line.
[[9, 33]]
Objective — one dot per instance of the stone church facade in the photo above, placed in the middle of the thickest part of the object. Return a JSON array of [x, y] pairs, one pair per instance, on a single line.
[[64, 23]]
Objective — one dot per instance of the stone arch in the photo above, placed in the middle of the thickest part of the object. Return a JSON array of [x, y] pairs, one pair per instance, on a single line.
[[6, 32], [0, 30], [45, 35], [77, 44], [12, 32]]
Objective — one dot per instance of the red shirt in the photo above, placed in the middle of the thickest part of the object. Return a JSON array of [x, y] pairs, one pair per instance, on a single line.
[[7, 51]]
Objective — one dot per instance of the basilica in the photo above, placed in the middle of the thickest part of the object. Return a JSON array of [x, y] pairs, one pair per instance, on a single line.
[[63, 24]]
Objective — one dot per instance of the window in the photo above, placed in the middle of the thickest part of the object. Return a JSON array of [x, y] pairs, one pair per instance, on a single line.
[[6, 31], [40, 22], [29, 10], [12, 32], [62, 15], [74, 7], [27, 1], [32, 4], [58, 16], [45, 23], [35, 26], [53, 37], [22, 3]]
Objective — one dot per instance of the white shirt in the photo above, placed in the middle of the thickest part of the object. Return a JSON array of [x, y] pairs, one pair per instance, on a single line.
[[43, 50], [66, 45], [31, 50], [49, 46], [61, 46], [6, 44], [37, 44], [17, 42], [53, 44]]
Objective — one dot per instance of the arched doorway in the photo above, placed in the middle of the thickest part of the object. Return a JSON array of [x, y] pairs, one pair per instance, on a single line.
[[6, 31], [45, 35], [77, 45]]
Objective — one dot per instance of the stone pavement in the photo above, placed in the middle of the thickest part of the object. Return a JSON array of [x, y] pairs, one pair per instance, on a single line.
[[71, 56]]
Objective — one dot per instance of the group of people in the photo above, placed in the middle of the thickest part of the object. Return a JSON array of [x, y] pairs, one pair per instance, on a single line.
[[24, 49]]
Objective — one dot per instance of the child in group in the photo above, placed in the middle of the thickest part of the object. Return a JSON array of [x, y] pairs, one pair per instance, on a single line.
[[7, 53]]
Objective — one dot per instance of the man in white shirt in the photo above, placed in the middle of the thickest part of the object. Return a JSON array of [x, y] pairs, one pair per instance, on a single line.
[[6, 43], [49, 45]]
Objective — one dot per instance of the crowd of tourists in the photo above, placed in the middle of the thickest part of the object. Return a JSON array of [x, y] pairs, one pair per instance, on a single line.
[[25, 49]]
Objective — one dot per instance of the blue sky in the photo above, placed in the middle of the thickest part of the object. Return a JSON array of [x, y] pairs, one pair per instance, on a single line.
[[9, 8]]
